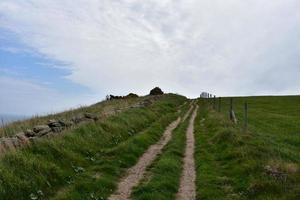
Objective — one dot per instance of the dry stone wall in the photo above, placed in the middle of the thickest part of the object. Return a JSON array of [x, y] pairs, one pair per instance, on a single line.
[[56, 127]]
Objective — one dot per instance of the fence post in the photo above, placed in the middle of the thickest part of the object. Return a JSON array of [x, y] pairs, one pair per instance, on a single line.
[[246, 116], [231, 112], [230, 109], [215, 108], [219, 109]]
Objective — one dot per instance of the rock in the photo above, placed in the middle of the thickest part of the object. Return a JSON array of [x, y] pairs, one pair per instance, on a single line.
[[91, 116], [29, 133], [66, 124], [32, 139], [22, 138], [8, 144], [79, 118], [54, 123], [63, 123], [156, 91], [56, 126], [57, 129], [41, 130], [2, 147], [15, 142]]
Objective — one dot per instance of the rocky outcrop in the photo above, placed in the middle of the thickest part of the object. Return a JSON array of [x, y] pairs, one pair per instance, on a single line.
[[156, 91]]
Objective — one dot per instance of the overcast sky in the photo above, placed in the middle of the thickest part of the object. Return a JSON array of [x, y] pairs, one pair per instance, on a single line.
[[56, 54]]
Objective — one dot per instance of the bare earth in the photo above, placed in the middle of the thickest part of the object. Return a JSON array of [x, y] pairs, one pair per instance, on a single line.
[[136, 173], [188, 112], [187, 189]]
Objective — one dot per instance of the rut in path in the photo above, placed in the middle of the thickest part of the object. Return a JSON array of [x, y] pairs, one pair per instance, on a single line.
[[135, 174], [188, 112], [187, 188]]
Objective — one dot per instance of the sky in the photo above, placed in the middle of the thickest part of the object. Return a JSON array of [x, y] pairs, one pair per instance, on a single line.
[[58, 54]]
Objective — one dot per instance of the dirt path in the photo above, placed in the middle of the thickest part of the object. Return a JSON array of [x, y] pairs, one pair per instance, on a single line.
[[187, 189], [136, 173], [188, 112]]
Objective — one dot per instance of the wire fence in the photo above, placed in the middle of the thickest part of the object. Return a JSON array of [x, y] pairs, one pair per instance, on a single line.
[[216, 103]]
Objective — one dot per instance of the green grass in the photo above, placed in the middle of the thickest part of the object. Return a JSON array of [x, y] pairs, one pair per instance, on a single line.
[[100, 109], [275, 118], [231, 162], [163, 176], [87, 162]]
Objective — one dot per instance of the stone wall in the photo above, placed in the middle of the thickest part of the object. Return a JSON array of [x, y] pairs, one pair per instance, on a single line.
[[56, 127]]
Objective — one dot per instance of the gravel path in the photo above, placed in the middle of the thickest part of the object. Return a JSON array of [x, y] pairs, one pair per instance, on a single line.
[[187, 189], [136, 173]]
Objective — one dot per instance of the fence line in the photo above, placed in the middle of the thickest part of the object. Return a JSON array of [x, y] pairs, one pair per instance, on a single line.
[[232, 116]]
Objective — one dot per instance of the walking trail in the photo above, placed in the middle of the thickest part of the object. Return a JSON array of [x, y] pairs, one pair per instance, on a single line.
[[187, 188], [136, 173]]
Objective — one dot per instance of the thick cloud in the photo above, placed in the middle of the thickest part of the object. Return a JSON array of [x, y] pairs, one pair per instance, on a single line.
[[232, 47]]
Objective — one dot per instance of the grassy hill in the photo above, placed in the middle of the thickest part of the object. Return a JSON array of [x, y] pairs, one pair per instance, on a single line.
[[87, 161], [102, 109], [262, 163]]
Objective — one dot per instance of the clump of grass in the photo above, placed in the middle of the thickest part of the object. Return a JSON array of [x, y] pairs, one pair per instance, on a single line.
[[68, 164]]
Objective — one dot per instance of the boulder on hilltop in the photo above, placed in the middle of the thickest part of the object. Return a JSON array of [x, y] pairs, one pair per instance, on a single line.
[[156, 91]]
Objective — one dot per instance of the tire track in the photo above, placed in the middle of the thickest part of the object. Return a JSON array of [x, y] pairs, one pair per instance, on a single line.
[[136, 173], [187, 189], [188, 112]]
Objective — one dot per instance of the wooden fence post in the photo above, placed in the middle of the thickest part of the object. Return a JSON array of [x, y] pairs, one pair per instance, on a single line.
[[231, 112], [246, 116], [215, 107], [219, 109], [231, 108]]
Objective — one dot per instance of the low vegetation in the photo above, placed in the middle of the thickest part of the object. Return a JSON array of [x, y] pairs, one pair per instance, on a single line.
[[163, 176], [87, 162], [262, 163], [102, 109]]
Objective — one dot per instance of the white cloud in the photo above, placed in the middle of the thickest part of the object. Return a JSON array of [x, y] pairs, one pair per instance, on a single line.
[[227, 47]]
